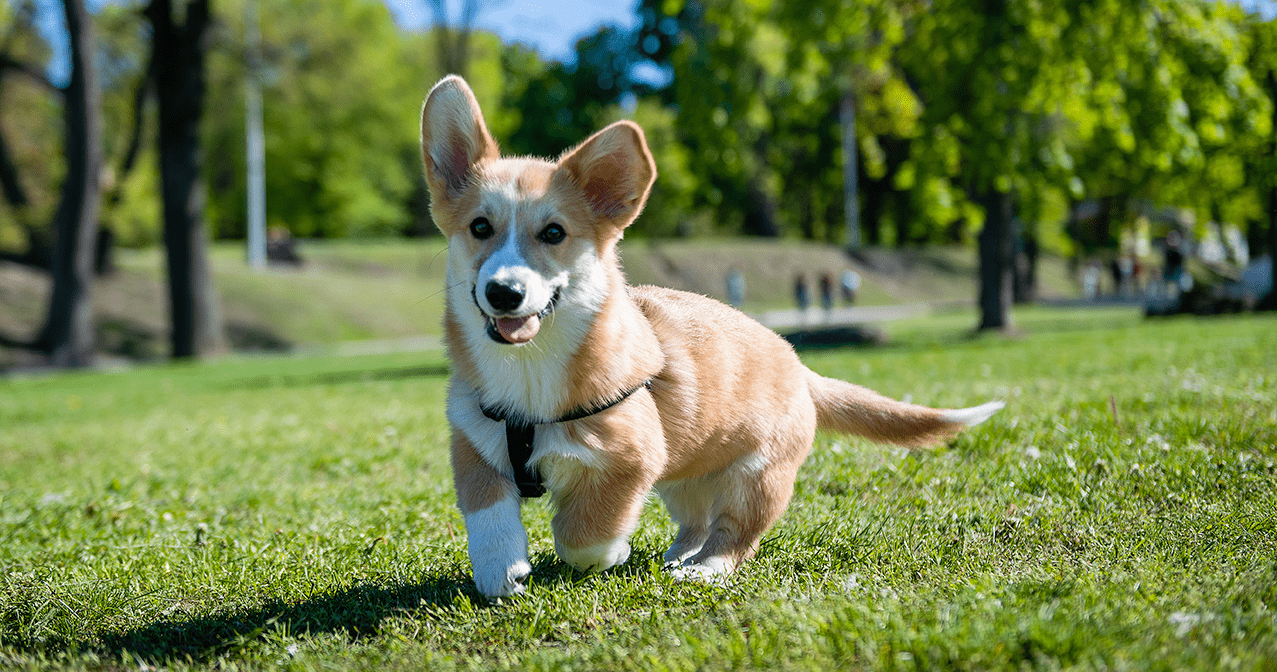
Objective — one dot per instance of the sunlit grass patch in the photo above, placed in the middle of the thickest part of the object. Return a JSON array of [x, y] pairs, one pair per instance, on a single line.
[[298, 513]]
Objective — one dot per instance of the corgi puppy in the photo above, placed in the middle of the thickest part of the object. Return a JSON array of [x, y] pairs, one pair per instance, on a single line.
[[566, 379]]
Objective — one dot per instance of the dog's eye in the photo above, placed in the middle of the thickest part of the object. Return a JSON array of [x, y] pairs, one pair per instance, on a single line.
[[481, 228], [552, 234]]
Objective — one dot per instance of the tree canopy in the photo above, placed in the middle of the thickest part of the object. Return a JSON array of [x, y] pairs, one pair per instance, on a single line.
[[1052, 102]]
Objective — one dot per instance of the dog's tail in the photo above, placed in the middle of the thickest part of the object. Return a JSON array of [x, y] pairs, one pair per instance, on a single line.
[[852, 409]]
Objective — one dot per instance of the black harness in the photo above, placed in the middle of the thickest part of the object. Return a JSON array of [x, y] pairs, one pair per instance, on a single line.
[[520, 432]]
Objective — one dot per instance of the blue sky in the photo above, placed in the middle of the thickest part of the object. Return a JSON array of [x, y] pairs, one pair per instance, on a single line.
[[551, 26]]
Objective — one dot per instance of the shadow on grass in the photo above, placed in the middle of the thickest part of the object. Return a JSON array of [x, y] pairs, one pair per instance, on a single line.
[[356, 612], [829, 338]]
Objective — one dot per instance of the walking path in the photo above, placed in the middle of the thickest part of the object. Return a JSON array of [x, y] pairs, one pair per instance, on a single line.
[[785, 320]]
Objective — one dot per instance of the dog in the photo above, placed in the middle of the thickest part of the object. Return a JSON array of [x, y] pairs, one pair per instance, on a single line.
[[567, 379]]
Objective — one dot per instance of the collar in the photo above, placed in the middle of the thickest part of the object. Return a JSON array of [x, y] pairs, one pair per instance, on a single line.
[[520, 432]]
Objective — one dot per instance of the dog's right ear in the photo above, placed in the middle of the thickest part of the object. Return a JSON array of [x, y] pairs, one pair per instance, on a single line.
[[453, 138]]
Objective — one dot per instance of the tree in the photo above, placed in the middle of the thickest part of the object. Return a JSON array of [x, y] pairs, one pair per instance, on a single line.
[[979, 68], [132, 196], [341, 95], [727, 59], [32, 123], [759, 91], [847, 48], [1263, 67], [1168, 109], [177, 64], [67, 334], [453, 42]]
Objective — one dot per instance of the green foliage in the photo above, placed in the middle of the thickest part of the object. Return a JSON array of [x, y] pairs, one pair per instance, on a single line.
[[1171, 106], [131, 207], [1054, 101], [31, 120], [549, 108], [136, 217], [297, 513], [340, 118], [669, 211]]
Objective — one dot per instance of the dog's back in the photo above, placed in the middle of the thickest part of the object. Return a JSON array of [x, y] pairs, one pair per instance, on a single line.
[[728, 378]]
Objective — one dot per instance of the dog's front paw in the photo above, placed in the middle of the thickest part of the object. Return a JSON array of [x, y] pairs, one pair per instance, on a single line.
[[498, 580], [595, 558], [498, 549]]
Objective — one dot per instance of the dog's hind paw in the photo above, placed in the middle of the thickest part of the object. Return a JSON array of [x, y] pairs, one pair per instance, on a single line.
[[713, 571]]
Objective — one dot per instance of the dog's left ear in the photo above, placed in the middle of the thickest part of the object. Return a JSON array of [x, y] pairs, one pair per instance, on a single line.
[[615, 171]]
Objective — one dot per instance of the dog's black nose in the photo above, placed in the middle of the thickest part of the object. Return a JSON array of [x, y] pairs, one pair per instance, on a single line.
[[502, 296]]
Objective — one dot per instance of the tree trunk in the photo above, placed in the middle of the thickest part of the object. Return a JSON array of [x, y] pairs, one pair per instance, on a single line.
[[1272, 197], [179, 81], [1025, 288], [875, 192], [10, 185], [900, 201], [850, 197], [67, 336], [1272, 241], [997, 250], [806, 218], [760, 213]]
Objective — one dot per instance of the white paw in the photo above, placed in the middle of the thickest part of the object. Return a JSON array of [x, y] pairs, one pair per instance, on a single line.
[[498, 549], [596, 558], [713, 571], [677, 554], [502, 581]]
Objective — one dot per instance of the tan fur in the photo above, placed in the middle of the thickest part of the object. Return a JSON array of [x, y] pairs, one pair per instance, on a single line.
[[478, 485], [731, 412], [852, 409]]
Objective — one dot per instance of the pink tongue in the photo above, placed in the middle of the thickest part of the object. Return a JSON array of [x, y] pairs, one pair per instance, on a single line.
[[519, 329]]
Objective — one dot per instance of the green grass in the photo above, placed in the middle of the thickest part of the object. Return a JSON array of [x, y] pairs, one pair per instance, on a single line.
[[297, 513]]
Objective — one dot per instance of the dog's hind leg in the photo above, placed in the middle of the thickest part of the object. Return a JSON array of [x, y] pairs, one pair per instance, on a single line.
[[689, 503], [748, 498]]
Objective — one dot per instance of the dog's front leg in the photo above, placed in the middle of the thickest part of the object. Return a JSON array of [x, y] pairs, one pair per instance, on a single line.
[[490, 502], [595, 518]]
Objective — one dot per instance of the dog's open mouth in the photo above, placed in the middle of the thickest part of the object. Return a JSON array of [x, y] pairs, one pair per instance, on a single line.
[[518, 330]]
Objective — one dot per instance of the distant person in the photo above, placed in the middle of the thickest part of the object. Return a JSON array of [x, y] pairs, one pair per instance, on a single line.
[[801, 293], [826, 292], [1126, 274], [735, 287], [281, 248], [850, 285], [1091, 280]]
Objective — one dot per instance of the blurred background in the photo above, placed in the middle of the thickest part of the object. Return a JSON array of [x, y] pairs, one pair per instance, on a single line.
[[185, 177]]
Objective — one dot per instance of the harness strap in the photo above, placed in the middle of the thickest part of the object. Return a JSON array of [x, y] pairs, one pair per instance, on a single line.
[[520, 433]]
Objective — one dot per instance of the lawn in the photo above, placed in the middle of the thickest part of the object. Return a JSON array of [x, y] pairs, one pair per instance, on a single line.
[[298, 513]]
